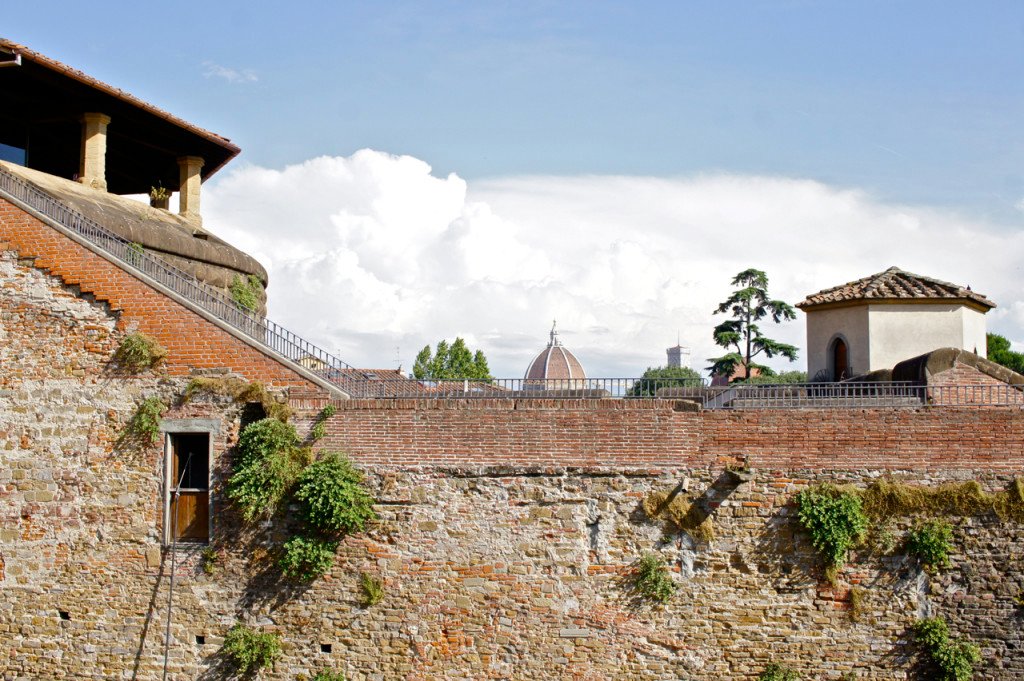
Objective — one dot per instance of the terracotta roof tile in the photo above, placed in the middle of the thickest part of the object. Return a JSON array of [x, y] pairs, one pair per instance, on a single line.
[[895, 284]]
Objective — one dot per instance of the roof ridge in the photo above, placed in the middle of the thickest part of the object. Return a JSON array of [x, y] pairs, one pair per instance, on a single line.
[[895, 284]]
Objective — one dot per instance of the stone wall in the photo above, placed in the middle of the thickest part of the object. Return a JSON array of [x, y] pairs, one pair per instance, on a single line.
[[507, 532]]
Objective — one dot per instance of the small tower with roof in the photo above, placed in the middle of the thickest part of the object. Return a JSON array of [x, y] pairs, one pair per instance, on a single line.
[[878, 321]]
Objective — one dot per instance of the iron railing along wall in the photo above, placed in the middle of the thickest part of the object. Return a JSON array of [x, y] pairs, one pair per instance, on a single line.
[[361, 384], [520, 388], [274, 336]]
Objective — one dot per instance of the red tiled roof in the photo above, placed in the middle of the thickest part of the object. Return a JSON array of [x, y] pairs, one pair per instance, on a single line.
[[895, 284]]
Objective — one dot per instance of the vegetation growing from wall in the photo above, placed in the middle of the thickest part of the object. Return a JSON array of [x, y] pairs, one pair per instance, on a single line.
[[272, 467], [931, 543], [239, 390], [652, 580], [249, 650], [269, 462], [327, 675], [307, 558], [138, 352], [837, 517], [372, 588], [319, 429], [246, 292], [777, 672], [332, 496], [836, 521], [679, 515], [145, 422], [952, 659]]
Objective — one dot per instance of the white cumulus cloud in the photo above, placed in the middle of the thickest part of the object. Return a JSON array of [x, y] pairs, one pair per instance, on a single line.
[[212, 70], [371, 256]]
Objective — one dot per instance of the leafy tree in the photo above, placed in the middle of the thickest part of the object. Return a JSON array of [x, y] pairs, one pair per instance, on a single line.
[[999, 352], [664, 377], [451, 362], [749, 304], [769, 376]]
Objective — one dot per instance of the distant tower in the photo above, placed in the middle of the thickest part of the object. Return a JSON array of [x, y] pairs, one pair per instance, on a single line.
[[678, 356]]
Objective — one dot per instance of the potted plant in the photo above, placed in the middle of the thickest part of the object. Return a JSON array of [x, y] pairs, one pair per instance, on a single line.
[[159, 196]]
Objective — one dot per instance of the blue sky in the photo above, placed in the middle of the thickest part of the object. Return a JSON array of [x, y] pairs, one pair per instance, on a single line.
[[915, 101], [914, 107]]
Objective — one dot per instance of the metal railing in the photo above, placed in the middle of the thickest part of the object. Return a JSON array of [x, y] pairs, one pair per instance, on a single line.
[[818, 395], [520, 388], [275, 337], [359, 383]]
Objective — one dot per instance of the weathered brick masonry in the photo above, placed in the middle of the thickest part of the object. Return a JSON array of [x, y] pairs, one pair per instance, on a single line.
[[641, 433], [192, 341], [506, 533]]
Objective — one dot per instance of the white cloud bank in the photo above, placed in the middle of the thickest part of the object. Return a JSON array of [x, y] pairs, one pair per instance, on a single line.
[[373, 257]]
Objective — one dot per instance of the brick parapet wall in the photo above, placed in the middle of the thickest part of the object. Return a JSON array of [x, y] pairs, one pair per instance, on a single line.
[[614, 434], [192, 341]]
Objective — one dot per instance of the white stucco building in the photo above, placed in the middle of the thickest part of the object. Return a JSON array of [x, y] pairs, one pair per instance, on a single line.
[[875, 322]]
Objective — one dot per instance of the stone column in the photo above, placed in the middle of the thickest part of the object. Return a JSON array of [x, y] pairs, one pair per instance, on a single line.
[[92, 166], [188, 189]]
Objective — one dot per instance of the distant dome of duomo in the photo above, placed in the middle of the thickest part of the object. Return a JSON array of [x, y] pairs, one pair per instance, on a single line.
[[555, 362]]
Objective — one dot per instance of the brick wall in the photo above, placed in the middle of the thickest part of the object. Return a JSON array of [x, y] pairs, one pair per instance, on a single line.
[[192, 341], [621, 434]]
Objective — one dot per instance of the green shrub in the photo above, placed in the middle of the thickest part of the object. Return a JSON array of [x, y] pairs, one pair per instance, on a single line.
[[145, 422], [373, 589], [652, 579], [138, 352], [931, 543], [328, 676], [835, 520], [209, 560], [776, 672], [333, 497], [250, 650], [307, 558], [134, 254], [259, 487], [245, 292], [953, 659], [265, 437]]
